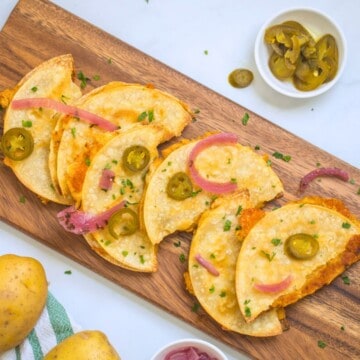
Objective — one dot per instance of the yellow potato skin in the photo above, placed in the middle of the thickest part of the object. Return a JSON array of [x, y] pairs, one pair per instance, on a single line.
[[23, 293], [84, 345]]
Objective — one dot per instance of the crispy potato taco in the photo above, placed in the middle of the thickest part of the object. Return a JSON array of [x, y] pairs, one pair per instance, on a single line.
[[293, 251], [75, 142], [116, 175], [212, 263], [191, 176], [27, 130]]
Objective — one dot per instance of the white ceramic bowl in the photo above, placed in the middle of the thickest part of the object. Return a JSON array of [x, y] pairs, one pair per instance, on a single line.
[[202, 345], [317, 24]]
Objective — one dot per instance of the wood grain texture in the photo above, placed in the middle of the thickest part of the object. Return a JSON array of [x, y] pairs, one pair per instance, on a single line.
[[38, 30]]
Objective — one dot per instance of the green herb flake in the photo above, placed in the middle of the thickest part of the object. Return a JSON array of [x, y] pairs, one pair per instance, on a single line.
[[26, 123], [276, 242], [68, 272], [34, 89], [195, 308], [257, 147], [281, 156], [142, 260], [321, 344], [73, 132], [182, 258], [196, 111], [212, 289], [267, 255], [342, 328], [212, 256], [107, 242], [177, 243], [84, 80], [109, 60], [87, 162], [124, 253], [245, 119], [247, 311], [346, 225], [346, 280], [22, 199], [358, 192], [227, 225], [151, 115], [206, 52], [64, 99], [238, 211], [96, 77], [142, 116], [222, 294]]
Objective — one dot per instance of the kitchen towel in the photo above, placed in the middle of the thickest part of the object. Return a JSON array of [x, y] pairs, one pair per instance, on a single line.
[[53, 326]]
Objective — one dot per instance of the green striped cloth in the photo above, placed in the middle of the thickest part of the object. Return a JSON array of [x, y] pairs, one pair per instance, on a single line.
[[53, 326]]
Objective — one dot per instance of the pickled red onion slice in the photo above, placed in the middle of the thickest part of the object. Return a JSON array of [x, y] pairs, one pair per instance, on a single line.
[[79, 222], [106, 179], [211, 186], [207, 265], [60, 107], [275, 287], [328, 171]]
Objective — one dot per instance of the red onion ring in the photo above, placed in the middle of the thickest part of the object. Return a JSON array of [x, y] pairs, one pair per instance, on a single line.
[[336, 172], [65, 109], [79, 222], [207, 265], [211, 186], [275, 287]]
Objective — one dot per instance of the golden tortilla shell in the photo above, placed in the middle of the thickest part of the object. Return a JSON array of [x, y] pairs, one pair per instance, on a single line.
[[216, 241], [51, 79], [264, 261]]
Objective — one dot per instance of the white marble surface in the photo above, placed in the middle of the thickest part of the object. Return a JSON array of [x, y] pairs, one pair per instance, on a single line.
[[177, 32]]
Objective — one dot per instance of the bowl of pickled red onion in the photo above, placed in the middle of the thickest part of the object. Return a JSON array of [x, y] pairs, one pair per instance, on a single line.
[[189, 349]]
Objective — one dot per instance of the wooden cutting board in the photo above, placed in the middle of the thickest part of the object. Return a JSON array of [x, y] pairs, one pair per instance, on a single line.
[[38, 30]]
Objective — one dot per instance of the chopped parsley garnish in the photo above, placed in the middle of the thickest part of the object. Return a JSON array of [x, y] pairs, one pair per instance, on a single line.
[[346, 280], [182, 258], [22, 199], [34, 89], [212, 256], [177, 244], [107, 242], [146, 114], [125, 253], [212, 289], [196, 111], [346, 225], [83, 79], [222, 294], [268, 256], [257, 147], [245, 119], [142, 260], [206, 52], [281, 156], [109, 60], [87, 162], [247, 308], [26, 123], [321, 344], [73, 132], [238, 211], [342, 328], [96, 77], [276, 242], [227, 225], [195, 307], [68, 272], [269, 163]]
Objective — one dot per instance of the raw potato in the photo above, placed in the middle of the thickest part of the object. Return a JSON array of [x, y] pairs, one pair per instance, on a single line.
[[23, 293], [84, 345]]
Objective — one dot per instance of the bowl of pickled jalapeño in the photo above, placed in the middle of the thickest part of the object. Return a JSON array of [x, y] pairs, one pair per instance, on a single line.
[[300, 52]]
